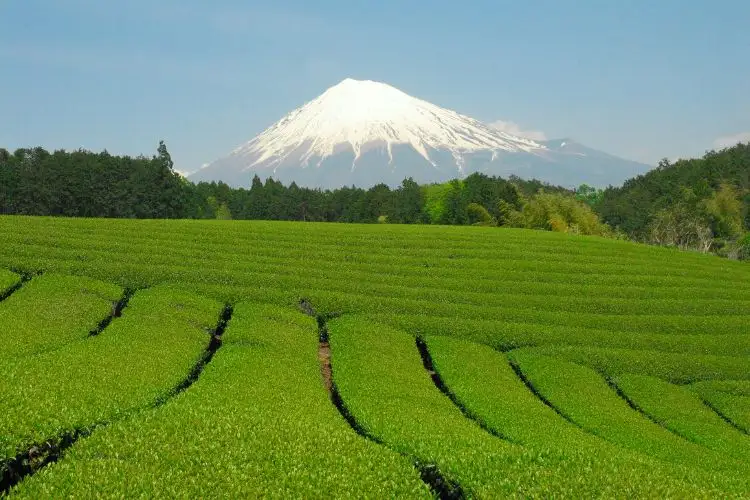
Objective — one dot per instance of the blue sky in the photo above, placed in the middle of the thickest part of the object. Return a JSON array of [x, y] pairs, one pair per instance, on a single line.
[[642, 79]]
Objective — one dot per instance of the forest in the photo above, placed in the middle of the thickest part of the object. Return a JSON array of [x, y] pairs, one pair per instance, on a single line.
[[700, 204]]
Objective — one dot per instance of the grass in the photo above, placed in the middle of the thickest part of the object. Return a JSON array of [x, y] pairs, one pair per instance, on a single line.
[[606, 332]]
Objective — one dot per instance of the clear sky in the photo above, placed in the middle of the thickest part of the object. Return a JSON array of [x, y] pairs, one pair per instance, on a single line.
[[642, 79]]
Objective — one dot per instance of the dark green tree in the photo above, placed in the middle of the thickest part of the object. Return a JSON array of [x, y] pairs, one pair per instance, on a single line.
[[408, 203]]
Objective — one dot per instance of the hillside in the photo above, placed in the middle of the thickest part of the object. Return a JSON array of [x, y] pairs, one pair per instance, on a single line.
[[685, 202], [305, 359]]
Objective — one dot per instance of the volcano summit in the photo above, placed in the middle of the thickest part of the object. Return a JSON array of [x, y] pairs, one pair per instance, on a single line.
[[364, 132]]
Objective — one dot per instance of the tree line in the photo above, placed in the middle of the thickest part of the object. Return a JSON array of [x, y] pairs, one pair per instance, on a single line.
[[80, 183], [700, 204]]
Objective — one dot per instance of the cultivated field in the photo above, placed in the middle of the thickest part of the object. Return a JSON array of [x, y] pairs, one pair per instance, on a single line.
[[243, 359]]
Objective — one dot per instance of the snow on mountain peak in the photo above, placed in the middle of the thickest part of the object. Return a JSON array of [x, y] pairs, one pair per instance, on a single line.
[[362, 114]]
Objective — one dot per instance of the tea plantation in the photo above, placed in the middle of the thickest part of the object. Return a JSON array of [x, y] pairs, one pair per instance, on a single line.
[[214, 359]]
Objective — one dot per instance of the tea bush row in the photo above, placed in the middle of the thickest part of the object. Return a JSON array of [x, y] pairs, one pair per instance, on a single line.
[[138, 360], [483, 382], [681, 411], [257, 423], [51, 311], [8, 280], [382, 381], [584, 397]]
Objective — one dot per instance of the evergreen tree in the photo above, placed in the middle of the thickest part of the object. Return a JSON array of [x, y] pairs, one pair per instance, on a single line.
[[408, 203]]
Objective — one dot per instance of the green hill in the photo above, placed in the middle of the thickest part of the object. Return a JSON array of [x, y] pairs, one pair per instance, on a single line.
[[700, 203], [281, 359]]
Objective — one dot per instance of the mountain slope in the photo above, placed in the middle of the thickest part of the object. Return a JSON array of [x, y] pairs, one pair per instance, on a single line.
[[572, 159], [365, 132]]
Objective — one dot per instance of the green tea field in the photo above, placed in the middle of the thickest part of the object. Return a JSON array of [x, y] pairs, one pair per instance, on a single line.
[[215, 359]]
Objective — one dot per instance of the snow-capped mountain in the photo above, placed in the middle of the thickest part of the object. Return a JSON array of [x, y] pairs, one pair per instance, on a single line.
[[365, 132]]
